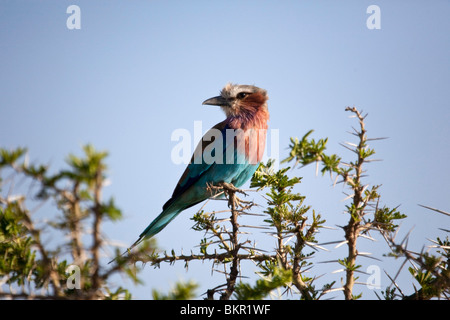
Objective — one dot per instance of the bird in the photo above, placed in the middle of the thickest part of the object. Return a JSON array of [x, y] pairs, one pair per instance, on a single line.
[[229, 153]]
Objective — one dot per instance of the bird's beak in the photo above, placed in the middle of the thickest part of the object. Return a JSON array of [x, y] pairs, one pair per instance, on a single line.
[[217, 101]]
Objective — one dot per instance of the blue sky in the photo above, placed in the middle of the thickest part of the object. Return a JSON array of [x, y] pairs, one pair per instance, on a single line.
[[136, 71]]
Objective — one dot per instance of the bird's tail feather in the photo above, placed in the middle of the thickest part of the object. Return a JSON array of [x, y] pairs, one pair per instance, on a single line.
[[155, 226], [159, 223]]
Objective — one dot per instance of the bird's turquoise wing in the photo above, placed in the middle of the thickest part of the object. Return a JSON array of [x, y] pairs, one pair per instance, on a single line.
[[197, 168]]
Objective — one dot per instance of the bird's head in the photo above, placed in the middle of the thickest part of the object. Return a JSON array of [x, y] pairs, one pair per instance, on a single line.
[[240, 100]]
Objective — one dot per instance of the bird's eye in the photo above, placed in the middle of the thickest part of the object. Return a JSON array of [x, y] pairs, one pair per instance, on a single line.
[[241, 95]]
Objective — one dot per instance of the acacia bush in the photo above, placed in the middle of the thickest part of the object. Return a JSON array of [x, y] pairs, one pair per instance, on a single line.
[[70, 267]]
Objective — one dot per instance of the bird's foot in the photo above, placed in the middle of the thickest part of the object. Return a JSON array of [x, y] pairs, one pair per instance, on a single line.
[[230, 191], [223, 187], [230, 188]]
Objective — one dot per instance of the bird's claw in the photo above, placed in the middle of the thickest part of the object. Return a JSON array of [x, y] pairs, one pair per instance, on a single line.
[[230, 190], [229, 187]]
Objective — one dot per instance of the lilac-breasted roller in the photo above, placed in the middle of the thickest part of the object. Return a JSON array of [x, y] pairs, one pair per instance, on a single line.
[[229, 152]]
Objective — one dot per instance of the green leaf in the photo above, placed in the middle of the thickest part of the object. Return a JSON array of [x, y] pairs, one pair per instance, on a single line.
[[279, 277]]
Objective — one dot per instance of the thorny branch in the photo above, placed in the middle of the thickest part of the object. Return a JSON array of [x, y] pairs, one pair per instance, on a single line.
[[79, 199], [234, 245], [291, 227], [432, 272], [352, 229]]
